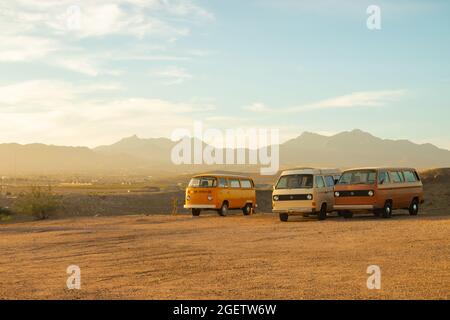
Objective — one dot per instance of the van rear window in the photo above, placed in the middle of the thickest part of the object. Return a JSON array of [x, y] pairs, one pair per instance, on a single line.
[[235, 183], [410, 176], [295, 181], [246, 184], [203, 182], [358, 177], [396, 176]]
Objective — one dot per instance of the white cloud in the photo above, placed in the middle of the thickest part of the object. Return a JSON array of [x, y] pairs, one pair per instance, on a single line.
[[173, 75], [35, 93], [84, 65], [103, 17], [352, 100], [257, 107], [25, 48], [33, 111], [41, 31]]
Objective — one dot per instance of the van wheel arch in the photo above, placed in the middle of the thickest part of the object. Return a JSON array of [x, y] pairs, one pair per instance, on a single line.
[[414, 206], [248, 208], [224, 208], [387, 209], [322, 215]]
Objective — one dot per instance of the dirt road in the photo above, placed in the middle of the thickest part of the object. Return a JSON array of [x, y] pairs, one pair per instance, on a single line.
[[235, 257]]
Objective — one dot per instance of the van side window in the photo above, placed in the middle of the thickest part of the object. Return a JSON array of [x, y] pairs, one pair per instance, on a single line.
[[396, 176], [234, 183], [246, 184], [319, 182], [383, 177], [330, 181], [409, 176], [223, 183]]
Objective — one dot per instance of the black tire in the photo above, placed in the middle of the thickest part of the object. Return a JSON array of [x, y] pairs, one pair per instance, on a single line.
[[195, 212], [387, 210], [284, 217], [323, 212], [347, 214], [414, 207], [247, 210], [223, 211]]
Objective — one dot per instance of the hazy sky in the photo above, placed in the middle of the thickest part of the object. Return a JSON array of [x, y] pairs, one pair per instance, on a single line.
[[148, 67]]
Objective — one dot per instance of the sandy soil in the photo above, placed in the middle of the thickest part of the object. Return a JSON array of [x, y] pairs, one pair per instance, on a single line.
[[235, 257]]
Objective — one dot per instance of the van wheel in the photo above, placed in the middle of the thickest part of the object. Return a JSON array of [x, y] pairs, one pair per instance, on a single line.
[[387, 210], [323, 212], [347, 214], [247, 210], [284, 217], [223, 211], [195, 212], [414, 207]]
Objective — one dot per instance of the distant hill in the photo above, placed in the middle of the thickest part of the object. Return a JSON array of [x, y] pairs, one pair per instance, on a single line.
[[358, 148], [49, 159], [154, 151], [134, 155]]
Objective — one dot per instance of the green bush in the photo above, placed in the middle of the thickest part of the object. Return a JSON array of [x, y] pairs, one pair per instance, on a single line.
[[5, 211], [5, 214], [38, 202]]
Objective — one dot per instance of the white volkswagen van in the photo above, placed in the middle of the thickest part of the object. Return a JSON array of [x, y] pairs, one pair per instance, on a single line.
[[305, 191]]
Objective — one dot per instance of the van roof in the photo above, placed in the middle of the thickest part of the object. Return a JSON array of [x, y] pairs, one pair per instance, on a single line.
[[381, 168], [311, 170], [223, 175]]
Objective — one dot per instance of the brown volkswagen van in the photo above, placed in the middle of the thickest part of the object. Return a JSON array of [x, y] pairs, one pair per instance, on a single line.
[[379, 190], [220, 192]]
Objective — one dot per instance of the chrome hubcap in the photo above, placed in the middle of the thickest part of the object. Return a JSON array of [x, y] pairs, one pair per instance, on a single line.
[[415, 206]]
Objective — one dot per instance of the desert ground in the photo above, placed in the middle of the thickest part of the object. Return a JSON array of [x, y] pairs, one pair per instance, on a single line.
[[235, 257], [130, 246]]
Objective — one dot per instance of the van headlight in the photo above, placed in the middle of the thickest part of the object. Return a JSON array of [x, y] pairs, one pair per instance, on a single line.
[[275, 198], [370, 193], [210, 197], [336, 194], [309, 197]]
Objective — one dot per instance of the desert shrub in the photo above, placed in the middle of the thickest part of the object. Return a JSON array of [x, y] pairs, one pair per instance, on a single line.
[[5, 214], [5, 211], [38, 202]]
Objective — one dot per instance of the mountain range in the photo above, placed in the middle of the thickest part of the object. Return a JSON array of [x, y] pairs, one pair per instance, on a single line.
[[134, 155]]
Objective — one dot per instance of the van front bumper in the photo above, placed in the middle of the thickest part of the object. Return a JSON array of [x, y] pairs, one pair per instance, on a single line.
[[295, 211], [200, 206], [353, 207]]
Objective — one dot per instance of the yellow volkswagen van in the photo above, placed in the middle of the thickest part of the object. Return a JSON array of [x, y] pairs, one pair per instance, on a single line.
[[304, 191], [220, 192]]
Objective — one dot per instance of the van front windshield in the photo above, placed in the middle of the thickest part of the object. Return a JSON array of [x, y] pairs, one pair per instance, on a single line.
[[295, 181], [358, 177], [203, 182]]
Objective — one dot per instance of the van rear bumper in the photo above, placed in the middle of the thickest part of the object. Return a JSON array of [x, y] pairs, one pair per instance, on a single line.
[[353, 207], [200, 206], [295, 211]]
